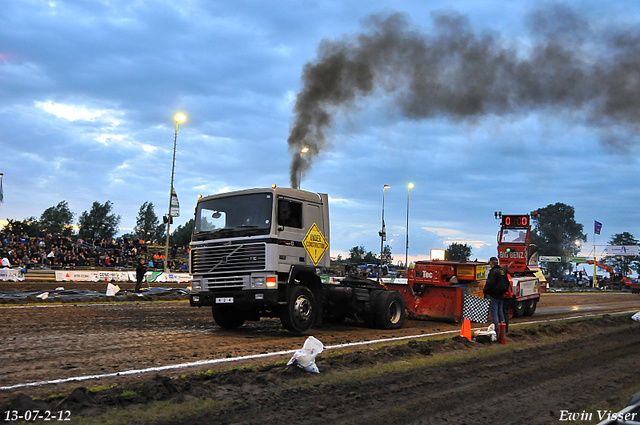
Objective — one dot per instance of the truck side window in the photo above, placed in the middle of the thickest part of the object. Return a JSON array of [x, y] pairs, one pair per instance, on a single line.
[[289, 214]]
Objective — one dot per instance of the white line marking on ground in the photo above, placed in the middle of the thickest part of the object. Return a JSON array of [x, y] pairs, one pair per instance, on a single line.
[[258, 356]]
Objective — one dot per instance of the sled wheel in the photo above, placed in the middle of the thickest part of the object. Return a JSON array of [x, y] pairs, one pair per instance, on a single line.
[[530, 307], [389, 310], [518, 308], [300, 312], [227, 316]]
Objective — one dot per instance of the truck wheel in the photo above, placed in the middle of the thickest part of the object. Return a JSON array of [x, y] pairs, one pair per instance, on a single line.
[[300, 312], [518, 308], [530, 308], [227, 316], [370, 317], [389, 310]]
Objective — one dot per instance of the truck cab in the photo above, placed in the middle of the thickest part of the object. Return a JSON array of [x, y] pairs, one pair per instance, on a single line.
[[253, 250]]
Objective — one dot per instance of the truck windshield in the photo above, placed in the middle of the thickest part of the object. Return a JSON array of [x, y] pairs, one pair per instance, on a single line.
[[232, 216], [514, 235]]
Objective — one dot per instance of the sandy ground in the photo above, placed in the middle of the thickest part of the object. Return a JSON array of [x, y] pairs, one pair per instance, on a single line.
[[51, 342]]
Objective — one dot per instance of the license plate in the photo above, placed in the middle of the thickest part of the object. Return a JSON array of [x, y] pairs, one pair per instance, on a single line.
[[224, 300]]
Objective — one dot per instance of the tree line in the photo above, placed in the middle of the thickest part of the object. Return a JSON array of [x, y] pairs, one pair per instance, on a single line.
[[555, 233], [99, 223]]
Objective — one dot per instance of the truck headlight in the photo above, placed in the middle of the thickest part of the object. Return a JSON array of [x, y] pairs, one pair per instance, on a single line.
[[257, 282]]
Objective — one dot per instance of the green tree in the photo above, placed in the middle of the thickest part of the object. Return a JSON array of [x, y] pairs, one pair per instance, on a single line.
[[28, 226], [370, 258], [57, 220], [99, 222], [148, 227], [387, 257], [356, 254], [623, 263], [458, 252], [181, 236], [555, 233]]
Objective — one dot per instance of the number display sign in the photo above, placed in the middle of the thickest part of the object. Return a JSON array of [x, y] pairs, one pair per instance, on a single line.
[[515, 221]]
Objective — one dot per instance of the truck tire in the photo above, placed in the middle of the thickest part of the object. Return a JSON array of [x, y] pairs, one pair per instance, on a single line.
[[227, 316], [518, 308], [389, 310], [370, 316], [300, 311], [530, 307]]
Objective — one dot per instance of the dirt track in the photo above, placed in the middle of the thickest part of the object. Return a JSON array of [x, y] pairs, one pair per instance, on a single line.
[[54, 342]]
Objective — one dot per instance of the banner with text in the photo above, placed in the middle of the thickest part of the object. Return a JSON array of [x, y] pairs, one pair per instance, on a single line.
[[628, 250], [121, 276], [13, 275]]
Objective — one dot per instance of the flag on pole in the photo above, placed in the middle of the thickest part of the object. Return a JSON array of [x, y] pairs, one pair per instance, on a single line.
[[175, 205], [596, 227], [1, 191]]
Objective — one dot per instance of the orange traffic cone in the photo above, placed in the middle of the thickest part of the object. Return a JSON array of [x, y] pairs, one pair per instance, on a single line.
[[501, 330], [466, 329]]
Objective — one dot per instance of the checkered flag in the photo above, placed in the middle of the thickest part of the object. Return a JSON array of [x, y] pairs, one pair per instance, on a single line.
[[476, 309]]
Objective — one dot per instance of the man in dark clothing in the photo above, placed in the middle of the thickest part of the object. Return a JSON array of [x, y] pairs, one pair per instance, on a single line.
[[493, 290], [141, 269]]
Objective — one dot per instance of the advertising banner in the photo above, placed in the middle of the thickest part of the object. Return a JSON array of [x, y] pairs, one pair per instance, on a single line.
[[175, 205], [14, 275], [113, 276], [169, 277], [75, 276], [550, 259], [622, 250]]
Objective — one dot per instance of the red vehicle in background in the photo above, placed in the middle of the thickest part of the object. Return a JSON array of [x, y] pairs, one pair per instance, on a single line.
[[516, 251], [436, 289]]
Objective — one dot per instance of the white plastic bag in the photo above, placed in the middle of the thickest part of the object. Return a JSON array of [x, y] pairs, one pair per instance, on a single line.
[[491, 332], [636, 317], [112, 290], [306, 358]]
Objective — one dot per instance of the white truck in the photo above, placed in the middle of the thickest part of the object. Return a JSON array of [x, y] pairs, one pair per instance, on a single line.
[[257, 253]]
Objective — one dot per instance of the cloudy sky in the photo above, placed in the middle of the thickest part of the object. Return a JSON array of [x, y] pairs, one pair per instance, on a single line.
[[484, 106]]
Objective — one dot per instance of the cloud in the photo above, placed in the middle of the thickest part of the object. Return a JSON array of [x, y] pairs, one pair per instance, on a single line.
[[79, 112]]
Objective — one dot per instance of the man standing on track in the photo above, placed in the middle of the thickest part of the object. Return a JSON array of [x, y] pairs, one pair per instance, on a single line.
[[141, 269], [497, 284]]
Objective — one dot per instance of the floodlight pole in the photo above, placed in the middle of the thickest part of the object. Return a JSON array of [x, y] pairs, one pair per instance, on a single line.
[[178, 118], [406, 252], [382, 234]]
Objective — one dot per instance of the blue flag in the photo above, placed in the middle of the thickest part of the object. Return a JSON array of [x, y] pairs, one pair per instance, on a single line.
[[596, 227]]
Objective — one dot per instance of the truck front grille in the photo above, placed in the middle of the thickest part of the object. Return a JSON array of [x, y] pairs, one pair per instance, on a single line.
[[222, 260], [224, 282]]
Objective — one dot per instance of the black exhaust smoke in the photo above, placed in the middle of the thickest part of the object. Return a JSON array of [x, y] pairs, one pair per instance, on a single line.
[[589, 73]]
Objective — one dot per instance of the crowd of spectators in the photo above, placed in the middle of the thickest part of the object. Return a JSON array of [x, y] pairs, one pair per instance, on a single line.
[[58, 253]]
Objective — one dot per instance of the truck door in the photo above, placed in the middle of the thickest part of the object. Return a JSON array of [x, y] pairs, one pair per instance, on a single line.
[[290, 221]]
